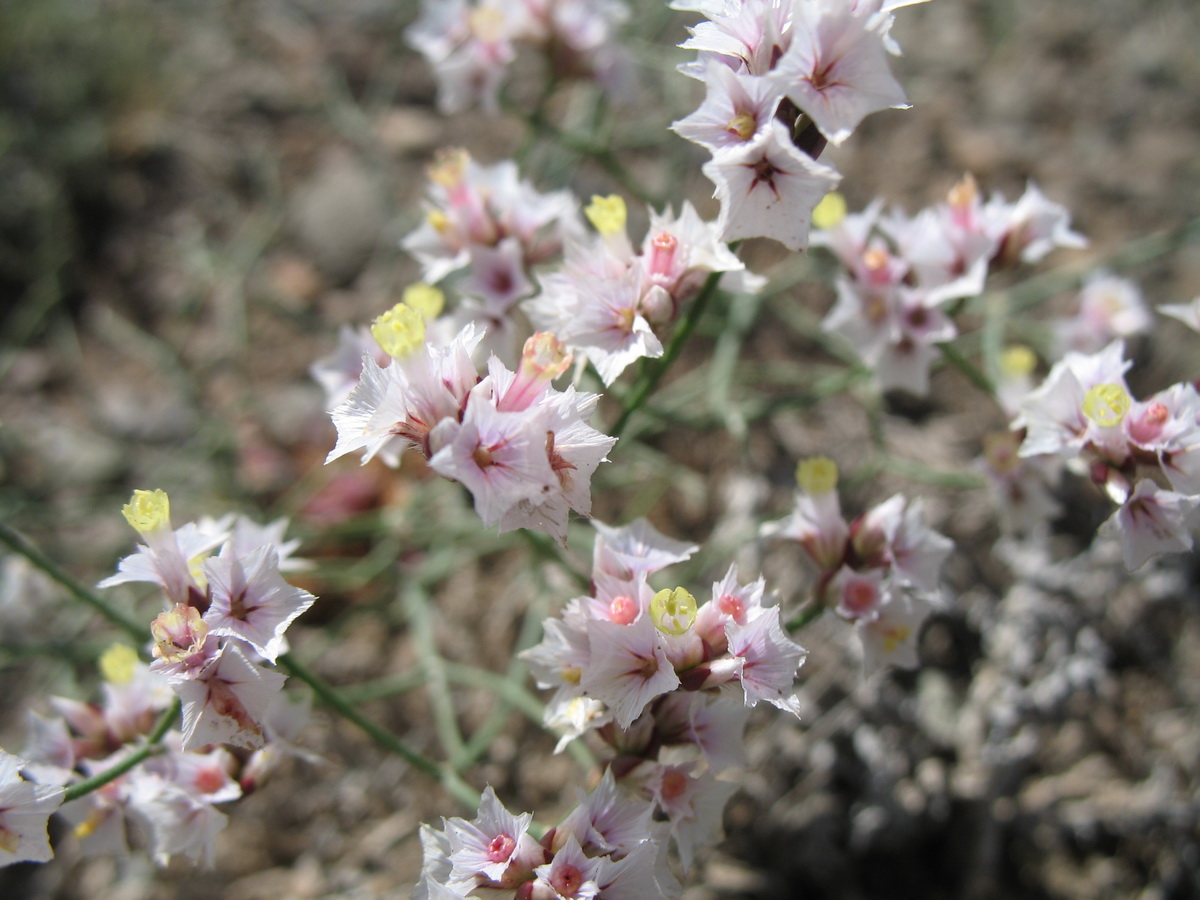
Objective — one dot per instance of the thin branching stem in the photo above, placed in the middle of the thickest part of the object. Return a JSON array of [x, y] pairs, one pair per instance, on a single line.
[[333, 698], [144, 752], [654, 373], [135, 629]]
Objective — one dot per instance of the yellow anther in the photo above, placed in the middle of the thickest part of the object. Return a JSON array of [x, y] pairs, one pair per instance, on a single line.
[[572, 674], [1000, 451], [196, 570], [607, 214], [425, 299], [1106, 404], [895, 635], [1018, 361], [817, 475], [399, 331], [449, 167], [487, 24], [673, 611], [439, 220], [148, 511], [964, 193], [88, 826], [118, 664], [743, 125], [830, 211]]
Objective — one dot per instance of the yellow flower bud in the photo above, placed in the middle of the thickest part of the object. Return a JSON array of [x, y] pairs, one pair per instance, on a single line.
[[830, 211], [118, 664], [425, 299], [673, 611], [399, 331], [607, 214], [1018, 361], [817, 475], [148, 511], [1106, 404]]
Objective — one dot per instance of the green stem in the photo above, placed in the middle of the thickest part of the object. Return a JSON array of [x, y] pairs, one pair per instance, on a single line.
[[161, 727], [964, 365], [544, 547], [806, 615], [649, 380], [333, 698], [139, 631], [598, 152], [416, 603]]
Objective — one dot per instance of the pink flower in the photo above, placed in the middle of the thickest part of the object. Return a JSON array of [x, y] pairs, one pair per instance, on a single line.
[[226, 703], [628, 667], [1152, 521], [251, 600], [768, 188], [490, 843], [836, 69], [500, 457], [769, 660]]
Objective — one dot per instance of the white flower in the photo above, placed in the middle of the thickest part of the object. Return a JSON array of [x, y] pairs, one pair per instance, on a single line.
[[768, 188], [24, 809]]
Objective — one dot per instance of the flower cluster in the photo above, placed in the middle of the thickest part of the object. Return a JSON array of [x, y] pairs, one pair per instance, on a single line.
[[783, 78], [522, 448], [616, 650], [606, 848], [171, 798], [1144, 454], [217, 642], [496, 226], [900, 272], [665, 683], [213, 649], [610, 303], [470, 43], [879, 572]]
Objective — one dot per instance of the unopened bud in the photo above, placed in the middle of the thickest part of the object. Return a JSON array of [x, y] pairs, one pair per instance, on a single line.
[[178, 633], [449, 167], [544, 356]]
